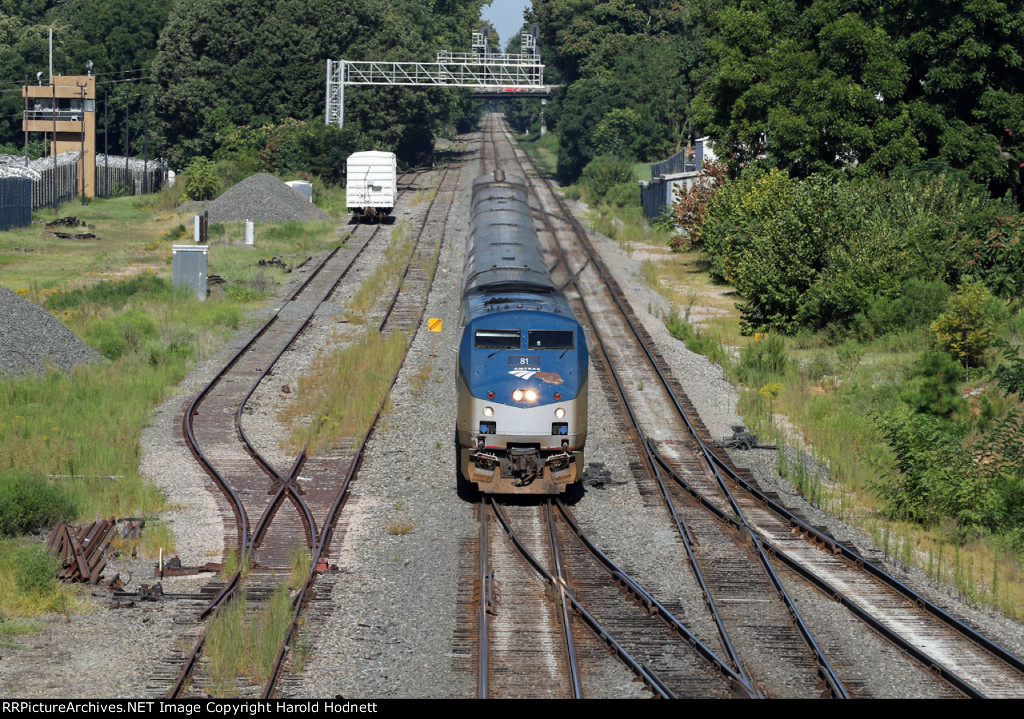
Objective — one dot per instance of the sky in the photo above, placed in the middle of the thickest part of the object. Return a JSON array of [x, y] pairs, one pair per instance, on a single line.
[[506, 16]]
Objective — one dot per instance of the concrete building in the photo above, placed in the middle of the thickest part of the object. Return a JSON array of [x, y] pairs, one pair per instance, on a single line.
[[66, 110]]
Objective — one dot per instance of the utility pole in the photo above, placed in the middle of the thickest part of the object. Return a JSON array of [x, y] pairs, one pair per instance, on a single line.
[[53, 142], [81, 159], [106, 144], [145, 151], [25, 123]]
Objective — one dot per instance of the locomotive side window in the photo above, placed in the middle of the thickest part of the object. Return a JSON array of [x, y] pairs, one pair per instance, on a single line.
[[498, 339], [550, 339]]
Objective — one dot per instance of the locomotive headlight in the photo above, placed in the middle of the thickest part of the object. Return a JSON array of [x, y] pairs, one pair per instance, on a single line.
[[488, 411], [518, 395], [531, 395], [559, 413]]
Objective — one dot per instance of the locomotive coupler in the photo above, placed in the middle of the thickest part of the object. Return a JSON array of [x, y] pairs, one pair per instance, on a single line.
[[558, 462], [524, 463], [484, 460]]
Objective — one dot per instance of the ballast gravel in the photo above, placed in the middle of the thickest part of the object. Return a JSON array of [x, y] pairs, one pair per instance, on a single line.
[[31, 339], [262, 198]]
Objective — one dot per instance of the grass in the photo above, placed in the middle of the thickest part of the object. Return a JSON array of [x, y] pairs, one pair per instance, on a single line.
[[242, 644], [824, 405], [84, 429], [344, 392], [628, 227], [29, 588], [419, 378], [543, 149], [396, 258]]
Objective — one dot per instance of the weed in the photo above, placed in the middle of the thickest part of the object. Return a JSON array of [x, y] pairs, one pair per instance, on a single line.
[[156, 536], [401, 525], [344, 391]]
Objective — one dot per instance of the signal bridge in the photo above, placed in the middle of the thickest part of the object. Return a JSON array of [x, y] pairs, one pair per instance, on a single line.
[[487, 74]]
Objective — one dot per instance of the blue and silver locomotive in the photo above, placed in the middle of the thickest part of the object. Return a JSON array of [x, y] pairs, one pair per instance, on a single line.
[[522, 368]]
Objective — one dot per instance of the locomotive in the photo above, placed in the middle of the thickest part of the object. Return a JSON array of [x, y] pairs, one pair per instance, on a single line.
[[522, 364]]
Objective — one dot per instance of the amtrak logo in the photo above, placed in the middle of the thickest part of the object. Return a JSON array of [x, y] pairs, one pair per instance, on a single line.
[[548, 377]]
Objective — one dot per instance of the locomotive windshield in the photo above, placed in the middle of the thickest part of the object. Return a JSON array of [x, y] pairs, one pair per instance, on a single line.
[[550, 339], [498, 339]]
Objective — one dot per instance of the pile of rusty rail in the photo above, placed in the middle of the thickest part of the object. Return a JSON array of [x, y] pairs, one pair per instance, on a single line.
[[80, 550]]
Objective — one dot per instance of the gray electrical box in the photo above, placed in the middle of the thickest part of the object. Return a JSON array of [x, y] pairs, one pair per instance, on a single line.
[[190, 267]]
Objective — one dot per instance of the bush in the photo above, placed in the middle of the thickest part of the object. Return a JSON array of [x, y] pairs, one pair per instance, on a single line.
[[691, 205], [626, 194], [29, 503], [967, 329], [763, 359], [602, 174], [919, 302], [35, 569], [201, 182], [934, 386], [111, 293], [115, 337], [819, 253]]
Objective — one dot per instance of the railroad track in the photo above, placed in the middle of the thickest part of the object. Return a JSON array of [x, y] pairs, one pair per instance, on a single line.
[[246, 478], [553, 611], [696, 481]]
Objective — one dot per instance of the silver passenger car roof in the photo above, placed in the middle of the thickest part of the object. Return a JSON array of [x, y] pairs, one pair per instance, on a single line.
[[502, 250]]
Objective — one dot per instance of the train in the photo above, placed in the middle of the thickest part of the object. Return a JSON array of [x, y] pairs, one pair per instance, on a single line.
[[523, 361], [371, 184]]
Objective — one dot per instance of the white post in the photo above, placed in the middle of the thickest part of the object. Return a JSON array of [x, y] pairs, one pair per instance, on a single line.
[[248, 233], [195, 233], [327, 96], [341, 96]]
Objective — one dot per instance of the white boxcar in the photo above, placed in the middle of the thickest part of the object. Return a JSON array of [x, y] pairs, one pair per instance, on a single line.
[[371, 183]]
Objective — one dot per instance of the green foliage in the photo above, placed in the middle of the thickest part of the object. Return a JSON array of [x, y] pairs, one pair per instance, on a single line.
[[602, 174], [224, 64], [290, 146], [918, 303], [112, 293], [763, 359], [626, 68], [978, 485], [966, 330], [35, 570], [865, 88], [116, 336], [827, 254], [624, 194], [30, 503], [1010, 376], [934, 386], [201, 182], [998, 259]]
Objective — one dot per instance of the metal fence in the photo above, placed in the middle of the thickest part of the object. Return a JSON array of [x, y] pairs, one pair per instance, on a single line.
[[673, 165], [58, 178], [15, 202], [658, 195], [24, 188], [117, 175]]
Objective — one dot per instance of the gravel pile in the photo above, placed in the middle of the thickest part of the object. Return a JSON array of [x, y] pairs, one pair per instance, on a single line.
[[31, 339], [263, 198]]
